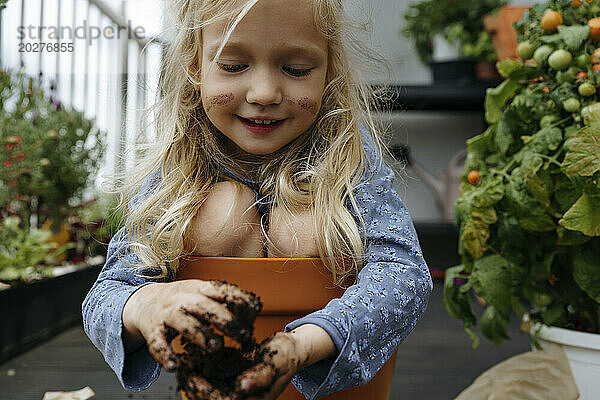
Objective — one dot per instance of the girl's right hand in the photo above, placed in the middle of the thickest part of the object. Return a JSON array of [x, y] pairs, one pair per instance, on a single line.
[[157, 312]]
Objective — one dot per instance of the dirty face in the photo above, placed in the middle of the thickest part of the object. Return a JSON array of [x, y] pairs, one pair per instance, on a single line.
[[265, 89]]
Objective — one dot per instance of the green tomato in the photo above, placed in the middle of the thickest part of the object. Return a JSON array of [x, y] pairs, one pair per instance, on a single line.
[[590, 113], [560, 59], [586, 89], [541, 54], [583, 60], [566, 76], [548, 120], [571, 105], [525, 50]]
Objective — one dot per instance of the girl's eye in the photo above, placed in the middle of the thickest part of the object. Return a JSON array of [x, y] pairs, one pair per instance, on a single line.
[[232, 67], [297, 71]]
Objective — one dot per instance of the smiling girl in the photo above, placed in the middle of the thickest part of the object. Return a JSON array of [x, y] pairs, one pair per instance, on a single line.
[[266, 147]]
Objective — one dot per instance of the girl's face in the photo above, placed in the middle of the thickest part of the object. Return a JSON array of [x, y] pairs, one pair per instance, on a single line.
[[265, 88]]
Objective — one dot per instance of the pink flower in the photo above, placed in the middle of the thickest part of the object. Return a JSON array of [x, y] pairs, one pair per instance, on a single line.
[[7, 163], [12, 183], [9, 146]]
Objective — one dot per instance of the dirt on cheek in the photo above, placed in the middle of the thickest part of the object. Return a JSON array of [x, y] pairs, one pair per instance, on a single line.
[[219, 100], [305, 104]]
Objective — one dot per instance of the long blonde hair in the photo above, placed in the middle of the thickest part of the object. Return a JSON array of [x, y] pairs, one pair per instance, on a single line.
[[318, 170]]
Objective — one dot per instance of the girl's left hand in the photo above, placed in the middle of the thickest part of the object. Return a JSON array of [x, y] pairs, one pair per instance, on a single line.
[[281, 361]]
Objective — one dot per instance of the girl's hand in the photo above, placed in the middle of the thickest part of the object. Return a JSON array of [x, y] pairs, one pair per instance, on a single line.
[[281, 360], [284, 354], [158, 312]]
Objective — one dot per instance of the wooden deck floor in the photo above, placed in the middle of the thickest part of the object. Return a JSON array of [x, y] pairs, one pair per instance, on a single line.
[[435, 362]]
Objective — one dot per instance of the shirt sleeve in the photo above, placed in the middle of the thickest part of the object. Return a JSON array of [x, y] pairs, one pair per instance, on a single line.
[[102, 309], [391, 293]]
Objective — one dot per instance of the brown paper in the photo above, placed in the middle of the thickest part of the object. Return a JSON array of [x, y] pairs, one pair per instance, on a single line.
[[82, 394], [535, 375]]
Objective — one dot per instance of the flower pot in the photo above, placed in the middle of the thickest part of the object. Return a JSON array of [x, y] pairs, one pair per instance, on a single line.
[[289, 288], [503, 34], [453, 72], [583, 352], [37, 311], [487, 72]]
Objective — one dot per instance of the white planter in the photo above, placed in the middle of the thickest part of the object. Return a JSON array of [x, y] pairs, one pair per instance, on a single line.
[[583, 352], [444, 51]]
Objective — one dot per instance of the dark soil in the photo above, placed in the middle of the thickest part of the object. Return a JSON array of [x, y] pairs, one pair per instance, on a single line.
[[220, 368]]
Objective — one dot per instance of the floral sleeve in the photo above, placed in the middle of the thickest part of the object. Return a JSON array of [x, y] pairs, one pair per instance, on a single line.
[[391, 293], [103, 306]]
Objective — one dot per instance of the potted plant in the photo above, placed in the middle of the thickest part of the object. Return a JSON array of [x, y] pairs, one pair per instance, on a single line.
[[48, 153], [528, 211], [450, 37]]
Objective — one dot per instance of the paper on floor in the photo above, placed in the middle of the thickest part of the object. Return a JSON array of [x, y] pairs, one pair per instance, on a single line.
[[535, 375], [81, 394]]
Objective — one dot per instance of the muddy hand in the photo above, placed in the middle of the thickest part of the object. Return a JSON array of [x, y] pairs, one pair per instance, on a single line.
[[159, 311], [200, 389], [280, 362]]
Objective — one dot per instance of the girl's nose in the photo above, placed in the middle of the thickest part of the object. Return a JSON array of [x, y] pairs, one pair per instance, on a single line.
[[264, 88]]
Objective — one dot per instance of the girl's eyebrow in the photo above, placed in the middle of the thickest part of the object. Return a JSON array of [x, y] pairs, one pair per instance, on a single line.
[[308, 50]]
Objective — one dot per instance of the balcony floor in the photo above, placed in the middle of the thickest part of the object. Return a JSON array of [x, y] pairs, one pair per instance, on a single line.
[[435, 362]]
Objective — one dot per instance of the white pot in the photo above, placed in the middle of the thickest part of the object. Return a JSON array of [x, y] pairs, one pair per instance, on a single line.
[[443, 50], [583, 352]]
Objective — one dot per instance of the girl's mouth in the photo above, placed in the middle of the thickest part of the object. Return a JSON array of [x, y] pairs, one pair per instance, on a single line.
[[260, 126]]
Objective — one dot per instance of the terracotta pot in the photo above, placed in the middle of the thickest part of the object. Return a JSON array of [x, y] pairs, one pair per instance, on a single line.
[[500, 28], [289, 288], [486, 71]]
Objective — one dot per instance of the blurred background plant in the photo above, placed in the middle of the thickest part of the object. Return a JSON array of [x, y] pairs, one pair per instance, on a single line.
[[458, 21], [49, 155]]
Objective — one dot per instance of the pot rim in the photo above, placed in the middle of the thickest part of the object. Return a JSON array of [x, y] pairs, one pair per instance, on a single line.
[[567, 337]]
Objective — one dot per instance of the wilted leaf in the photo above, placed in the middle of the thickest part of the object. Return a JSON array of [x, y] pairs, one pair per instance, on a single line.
[[474, 237], [583, 158], [487, 215], [587, 273], [584, 215]]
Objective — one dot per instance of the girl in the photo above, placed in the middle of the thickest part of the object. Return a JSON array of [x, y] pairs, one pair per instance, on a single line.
[[265, 147]]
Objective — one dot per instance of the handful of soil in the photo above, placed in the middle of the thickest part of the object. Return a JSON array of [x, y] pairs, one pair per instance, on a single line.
[[220, 367]]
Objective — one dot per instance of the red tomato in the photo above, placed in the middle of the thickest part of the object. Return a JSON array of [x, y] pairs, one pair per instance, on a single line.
[[473, 177]]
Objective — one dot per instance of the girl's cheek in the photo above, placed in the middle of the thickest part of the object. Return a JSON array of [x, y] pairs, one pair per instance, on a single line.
[[222, 100], [304, 104]]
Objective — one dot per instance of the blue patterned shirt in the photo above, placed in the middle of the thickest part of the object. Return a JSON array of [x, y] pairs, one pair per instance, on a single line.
[[367, 323]]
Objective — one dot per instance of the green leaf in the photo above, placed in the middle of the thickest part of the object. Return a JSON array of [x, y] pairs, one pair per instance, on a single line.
[[586, 273], [525, 208], [551, 38], [573, 35], [583, 158], [570, 238], [508, 67], [489, 194], [474, 237], [584, 215], [492, 278], [504, 137], [539, 189], [496, 99], [457, 303], [565, 193], [493, 325]]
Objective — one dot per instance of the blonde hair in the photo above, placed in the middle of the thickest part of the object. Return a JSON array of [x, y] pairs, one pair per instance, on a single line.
[[318, 170]]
